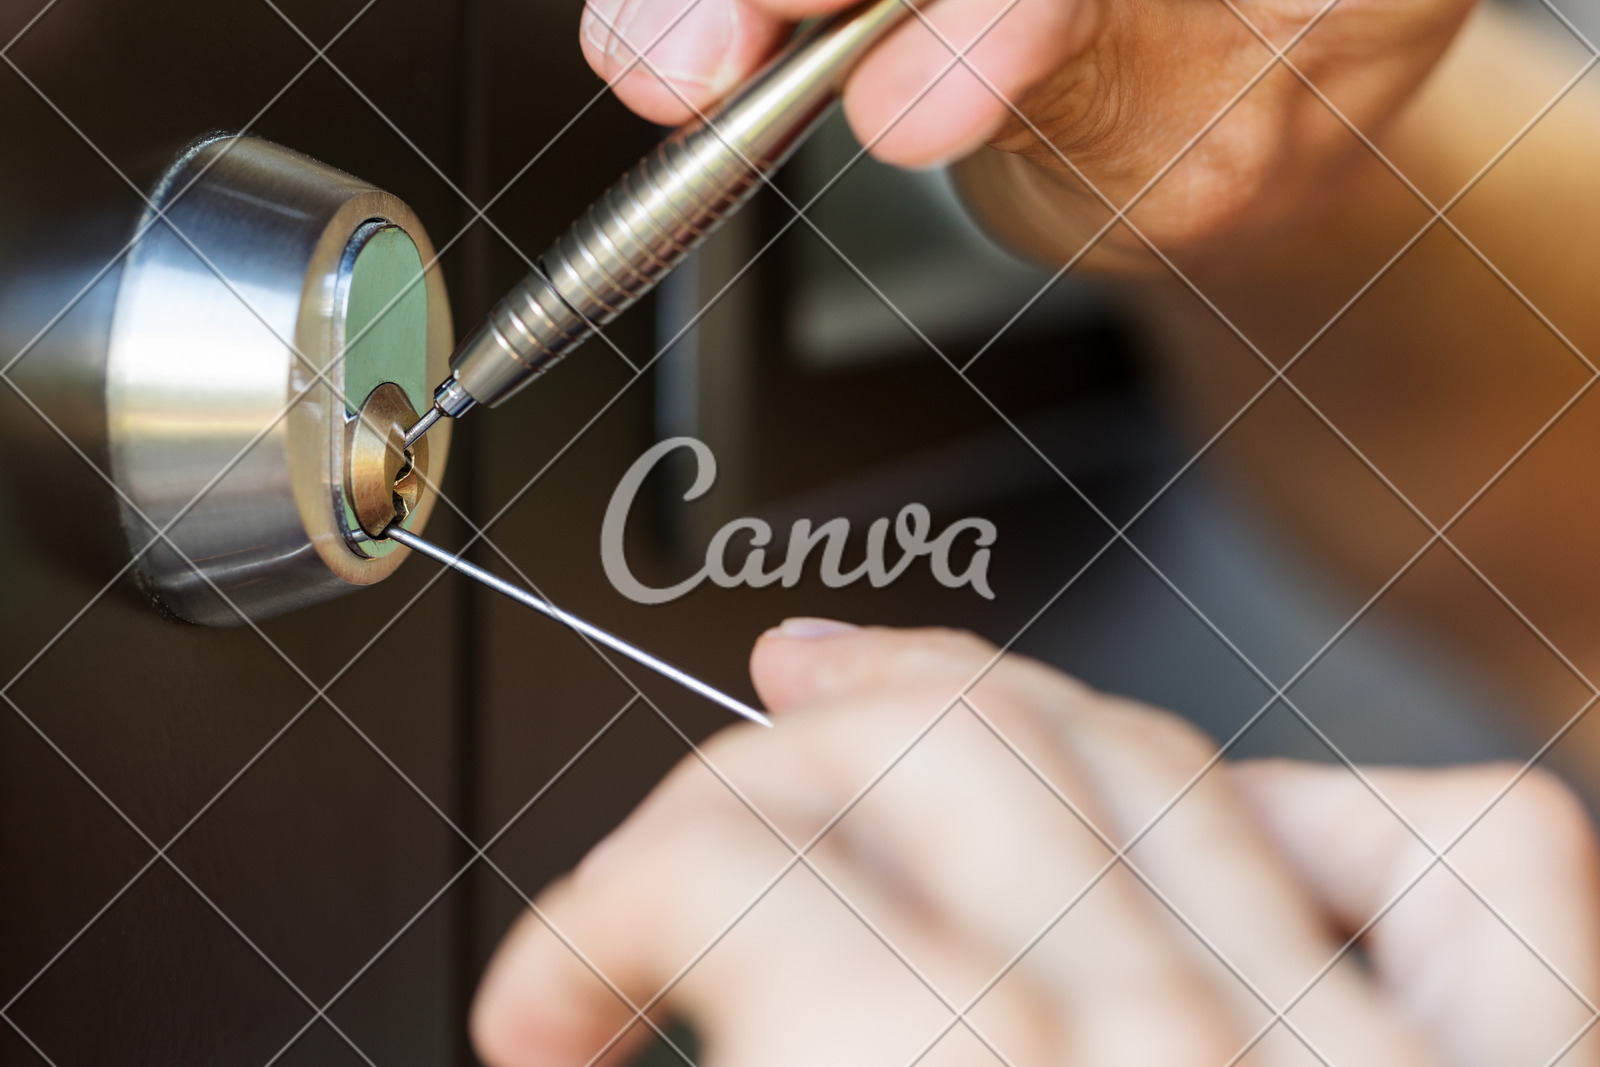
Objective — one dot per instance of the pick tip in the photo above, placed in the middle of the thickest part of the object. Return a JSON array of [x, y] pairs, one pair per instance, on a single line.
[[422, 426]]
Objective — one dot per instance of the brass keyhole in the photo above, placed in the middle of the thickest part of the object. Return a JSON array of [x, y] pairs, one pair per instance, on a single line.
[[384, 480], [407, 487]]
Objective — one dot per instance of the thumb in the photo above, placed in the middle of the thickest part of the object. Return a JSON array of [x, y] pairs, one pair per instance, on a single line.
[[804, 661], [1461, 949], [662, 53]]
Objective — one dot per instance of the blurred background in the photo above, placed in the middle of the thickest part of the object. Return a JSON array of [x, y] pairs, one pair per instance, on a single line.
[[310, 857]]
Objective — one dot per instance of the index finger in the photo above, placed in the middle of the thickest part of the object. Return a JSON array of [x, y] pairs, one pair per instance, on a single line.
[[666, 58], [939, 86]]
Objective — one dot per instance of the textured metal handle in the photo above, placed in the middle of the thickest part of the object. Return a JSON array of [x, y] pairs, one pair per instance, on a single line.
[[647, 224]]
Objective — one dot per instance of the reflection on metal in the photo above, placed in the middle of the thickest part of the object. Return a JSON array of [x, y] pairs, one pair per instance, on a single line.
[[383, 478], [227, 387], [423, 424]]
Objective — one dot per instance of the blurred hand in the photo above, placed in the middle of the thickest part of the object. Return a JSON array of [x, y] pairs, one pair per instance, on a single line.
[[961, 855], [1116, 87]]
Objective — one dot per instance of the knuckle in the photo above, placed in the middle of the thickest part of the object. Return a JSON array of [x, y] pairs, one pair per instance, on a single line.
[[1034, 675], [931, 653], [1189, 1035], [1537, 832], [1198, 1036], [1543, 813], [1168, 739], [1021, 690], [1201, 1049], [501, 1025], [1233, 165], [1280, 16], [1049, 703], [1082, 111], [686, 809], [496, 1033], [958, 644], [686, 790]]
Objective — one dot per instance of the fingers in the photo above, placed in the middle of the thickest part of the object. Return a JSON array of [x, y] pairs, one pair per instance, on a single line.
[[1458, 968], [666, 55], [945, 82], [995, 856], [796, 982], [1242, 906], [1123, 766], [809, 660], [935, 90], [608, 939], [959, 856], [956, 858], [791, 976]]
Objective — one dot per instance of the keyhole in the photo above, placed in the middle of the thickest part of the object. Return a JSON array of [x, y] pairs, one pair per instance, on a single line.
[[404, 487], [383, 479]]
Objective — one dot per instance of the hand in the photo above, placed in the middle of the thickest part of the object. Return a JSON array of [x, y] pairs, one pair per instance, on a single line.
[[1118, 88], [967, 850]]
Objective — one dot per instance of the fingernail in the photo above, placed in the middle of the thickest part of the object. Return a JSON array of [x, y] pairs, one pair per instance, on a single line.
[[599, 17], [687, 42], [808, 629]]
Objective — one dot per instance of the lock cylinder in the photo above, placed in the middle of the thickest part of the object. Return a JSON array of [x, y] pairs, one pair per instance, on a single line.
[[384, 480], [273, 328]]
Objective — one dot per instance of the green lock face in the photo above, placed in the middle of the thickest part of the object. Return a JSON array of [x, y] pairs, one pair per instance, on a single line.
[[385, 317], [385, 345]]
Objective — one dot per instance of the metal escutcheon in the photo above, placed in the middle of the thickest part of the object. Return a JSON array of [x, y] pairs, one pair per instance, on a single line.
[[245, 338]]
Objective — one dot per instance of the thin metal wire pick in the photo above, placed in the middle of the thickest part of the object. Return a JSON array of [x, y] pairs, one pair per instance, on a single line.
[[589, 630]]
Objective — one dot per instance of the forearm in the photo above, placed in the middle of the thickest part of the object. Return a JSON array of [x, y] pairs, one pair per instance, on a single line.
[[1445, 368], [1431, 364]]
